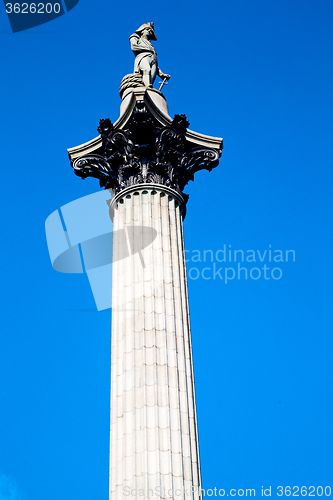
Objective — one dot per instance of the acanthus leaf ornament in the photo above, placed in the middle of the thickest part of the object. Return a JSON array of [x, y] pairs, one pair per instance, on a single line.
[[92, 166], [145, 152]]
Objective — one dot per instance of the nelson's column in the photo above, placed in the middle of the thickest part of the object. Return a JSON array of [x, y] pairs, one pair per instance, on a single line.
[[145, 159]]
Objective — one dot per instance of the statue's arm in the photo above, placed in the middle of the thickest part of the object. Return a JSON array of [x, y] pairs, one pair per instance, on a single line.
[[134, 43], [163, 75]]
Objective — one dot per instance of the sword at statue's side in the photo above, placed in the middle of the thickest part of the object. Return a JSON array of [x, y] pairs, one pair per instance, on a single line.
[[162, 84]]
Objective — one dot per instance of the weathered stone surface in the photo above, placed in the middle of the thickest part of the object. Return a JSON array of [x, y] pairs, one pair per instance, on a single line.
[[153, 439]]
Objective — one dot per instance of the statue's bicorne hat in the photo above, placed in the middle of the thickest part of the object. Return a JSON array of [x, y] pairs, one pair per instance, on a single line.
[[146, 25]]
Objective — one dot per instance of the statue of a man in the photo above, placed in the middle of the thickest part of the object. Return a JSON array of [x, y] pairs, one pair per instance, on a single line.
[[145, 55]]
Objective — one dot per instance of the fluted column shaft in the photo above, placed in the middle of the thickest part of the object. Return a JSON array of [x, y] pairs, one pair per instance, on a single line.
[[153, 438]]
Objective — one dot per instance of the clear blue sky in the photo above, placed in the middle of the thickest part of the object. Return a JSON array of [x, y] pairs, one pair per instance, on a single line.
[[258, 74]]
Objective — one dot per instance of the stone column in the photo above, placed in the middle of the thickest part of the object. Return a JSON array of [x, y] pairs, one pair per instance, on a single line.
[[154, 439], [146, 158]]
